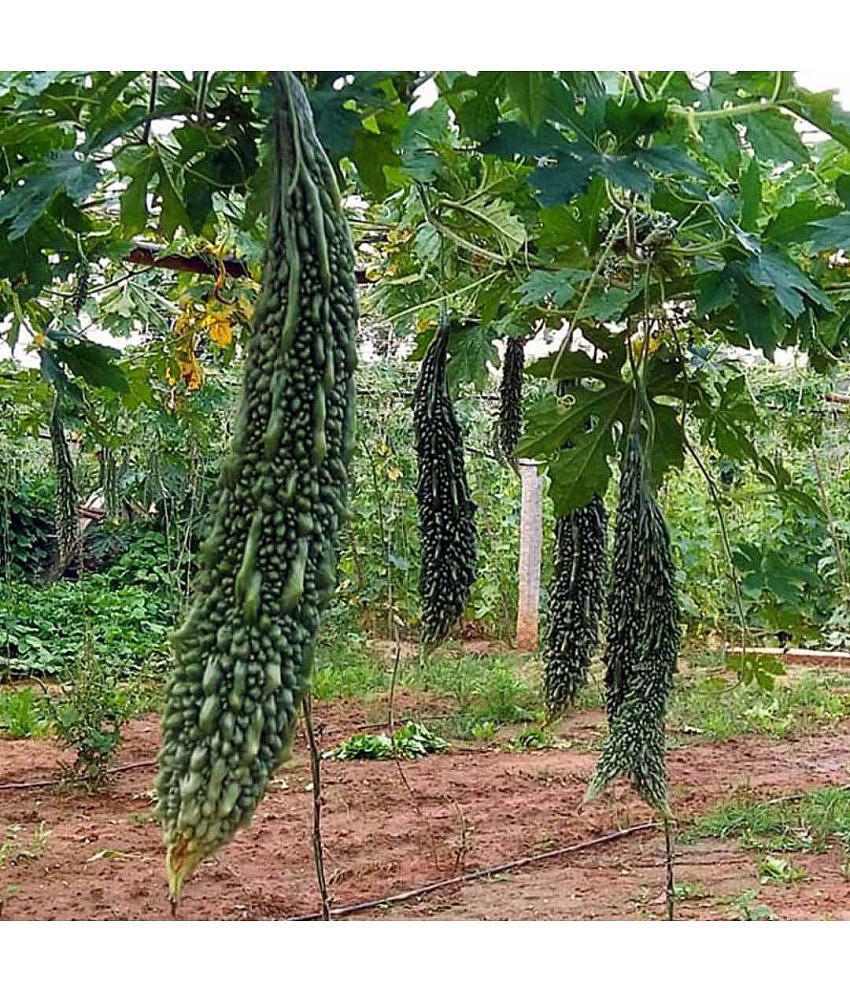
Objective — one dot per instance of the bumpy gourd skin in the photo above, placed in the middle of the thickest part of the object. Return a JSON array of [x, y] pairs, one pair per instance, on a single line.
[[576, 595], [643, 639], [510, 398], [67, 499], [446, 511], [268, 564]]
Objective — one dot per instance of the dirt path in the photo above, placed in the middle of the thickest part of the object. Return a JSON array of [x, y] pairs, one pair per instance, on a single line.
[[100, 857]]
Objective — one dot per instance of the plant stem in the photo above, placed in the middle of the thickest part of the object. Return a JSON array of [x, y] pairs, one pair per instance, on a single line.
[[721, 113], [316, 773], [671, 887]]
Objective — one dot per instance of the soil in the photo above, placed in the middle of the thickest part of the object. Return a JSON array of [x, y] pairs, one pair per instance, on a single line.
[[71, 855]]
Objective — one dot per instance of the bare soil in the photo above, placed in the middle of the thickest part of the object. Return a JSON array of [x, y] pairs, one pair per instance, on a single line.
[[71, 855]]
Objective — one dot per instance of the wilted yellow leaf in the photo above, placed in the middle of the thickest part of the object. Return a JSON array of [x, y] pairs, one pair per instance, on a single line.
[[221, 331]]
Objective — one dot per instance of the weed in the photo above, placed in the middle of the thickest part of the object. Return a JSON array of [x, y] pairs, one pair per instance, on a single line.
[[806, 823], [778, 870], [684, 891], [412, 741], [533, 738], [348, 670], [14, 850], [749, 912], [711, 707], [22, 714]]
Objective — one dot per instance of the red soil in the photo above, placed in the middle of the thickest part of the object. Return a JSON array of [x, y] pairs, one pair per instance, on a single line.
[[102, 856]]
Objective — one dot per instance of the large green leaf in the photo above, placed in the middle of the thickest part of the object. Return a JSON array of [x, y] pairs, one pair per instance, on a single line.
[[96, 364], [25, 204], [529, 91]]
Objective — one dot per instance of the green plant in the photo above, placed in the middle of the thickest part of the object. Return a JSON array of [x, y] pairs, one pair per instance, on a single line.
[[89, 717], [268, 564], [749, 912], [446, 511], [42, 628], [530, 739], [685, 891], [804, 823], [22, 714], [576, 595], [779, 870], [642, 641], [709, 705], [413, 740], [14, 849]]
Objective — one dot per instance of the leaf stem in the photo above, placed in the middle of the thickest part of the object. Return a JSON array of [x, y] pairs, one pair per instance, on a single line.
[[721, 113]]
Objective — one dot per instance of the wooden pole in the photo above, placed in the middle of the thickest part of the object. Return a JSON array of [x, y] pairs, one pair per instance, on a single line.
[[530, 543]]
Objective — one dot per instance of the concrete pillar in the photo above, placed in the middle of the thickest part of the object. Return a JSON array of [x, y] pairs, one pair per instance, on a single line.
[[530, 542]]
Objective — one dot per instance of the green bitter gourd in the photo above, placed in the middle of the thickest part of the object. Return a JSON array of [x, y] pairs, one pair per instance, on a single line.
[[267, 565], [643, 638], [510, 398], [67, 498], [576, 596], [446, 511]]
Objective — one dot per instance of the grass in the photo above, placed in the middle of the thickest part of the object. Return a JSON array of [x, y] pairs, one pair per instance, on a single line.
[[15, 848], [22, 714], [486, 691], [805, 823], [710, 706]]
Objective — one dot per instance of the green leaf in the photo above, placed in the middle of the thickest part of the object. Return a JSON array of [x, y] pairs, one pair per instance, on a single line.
[[134, 200], [559, 286], [832, 233], [823, 111], [94, 363], [610, 303], [720, 140], [471, 349], [173, 214], [790, 285], [794, 223], [750, 195], [425, 132], [372, 153], [478, 114], [581, 471], [715, 290], [529, 91], [666, 448], [773, 137], [23, 205]]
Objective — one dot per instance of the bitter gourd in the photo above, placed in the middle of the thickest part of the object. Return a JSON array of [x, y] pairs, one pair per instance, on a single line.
[[67, 497], [510, 398], [576, 596], [643, 638], [267, 565], [446, 511]]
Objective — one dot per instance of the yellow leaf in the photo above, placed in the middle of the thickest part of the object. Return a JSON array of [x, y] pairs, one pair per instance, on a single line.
[[221, 331], [394, 473], [192, 372]]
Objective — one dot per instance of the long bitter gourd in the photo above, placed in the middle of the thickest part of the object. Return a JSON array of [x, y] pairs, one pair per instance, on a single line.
[[576, 596], [510, 398], [267, 565], [643, 638], [67, 497], [446, 511]]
